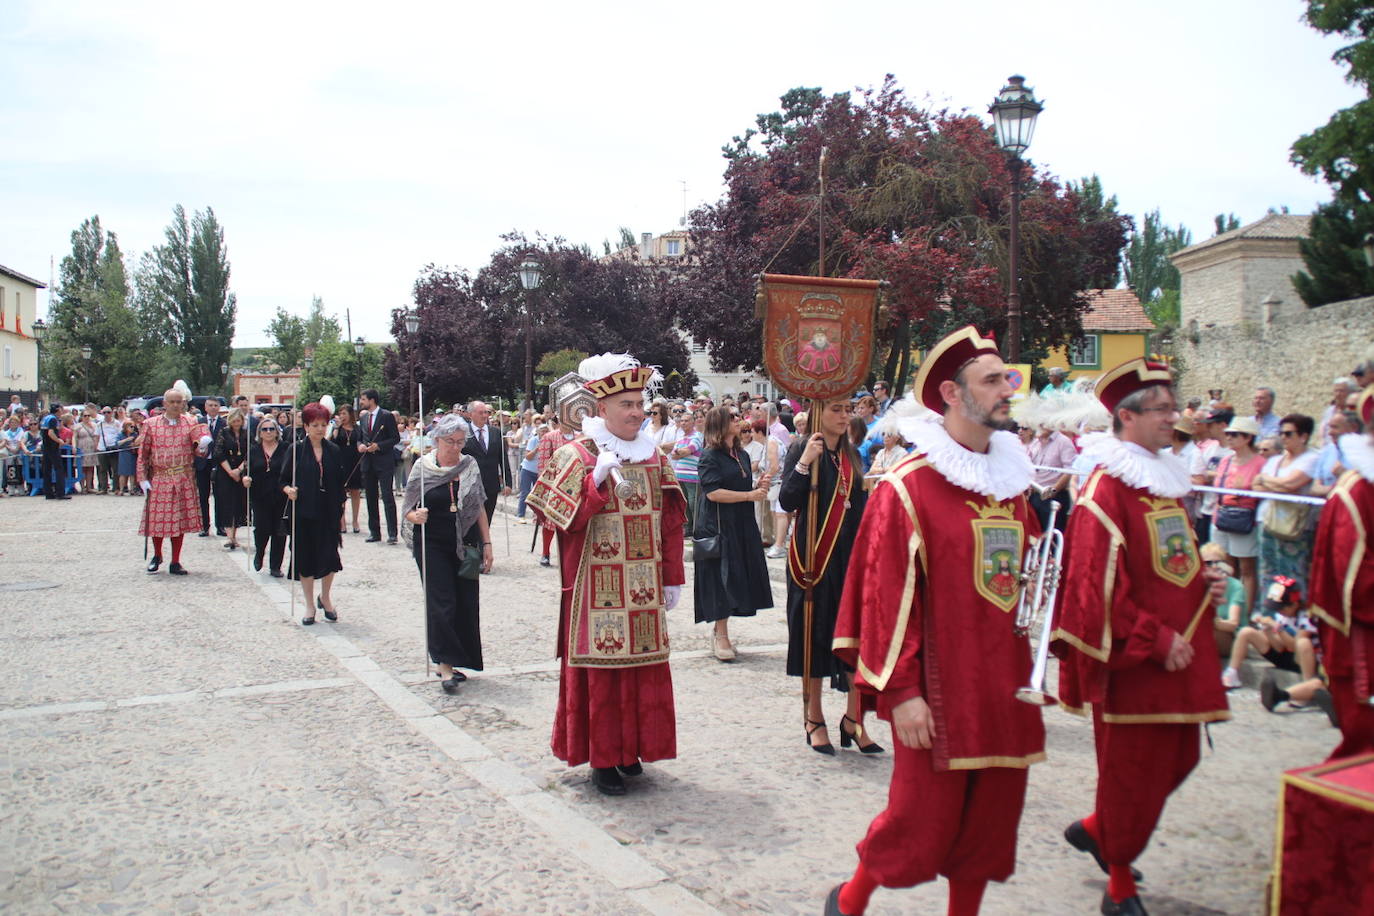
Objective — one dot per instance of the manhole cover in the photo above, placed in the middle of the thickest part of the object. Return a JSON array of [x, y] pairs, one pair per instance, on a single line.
[[26, 586]]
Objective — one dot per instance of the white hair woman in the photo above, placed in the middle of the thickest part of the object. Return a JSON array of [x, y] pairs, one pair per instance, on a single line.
[[451, 531]]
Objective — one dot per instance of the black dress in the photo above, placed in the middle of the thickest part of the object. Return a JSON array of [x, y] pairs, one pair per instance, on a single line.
[[452, 603], [347, 441], [269, 503], [736, 584], [231, 497], [794, 497], [319, 503]]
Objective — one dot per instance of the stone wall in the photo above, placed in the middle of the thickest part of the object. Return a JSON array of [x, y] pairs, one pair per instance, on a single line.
[[1297, 353]]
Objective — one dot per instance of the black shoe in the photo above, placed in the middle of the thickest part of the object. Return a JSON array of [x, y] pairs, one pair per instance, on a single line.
[[373, 538], [811, 728], [219, 532], [203, 534], [357, 530], [608, 781], [1131, 906], [154, 563], [231, 546], [450, 685], [176, 569], [1079, 838], [307, 621], [832, 902], [257, 564], [855, 737], [1271, 694], [634, 769], [277, 573], [329, 615], [391, 540], [544, 561], [1323, 699]]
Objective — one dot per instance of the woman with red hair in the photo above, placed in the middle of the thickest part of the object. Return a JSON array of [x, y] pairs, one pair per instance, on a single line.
[[313, 479]]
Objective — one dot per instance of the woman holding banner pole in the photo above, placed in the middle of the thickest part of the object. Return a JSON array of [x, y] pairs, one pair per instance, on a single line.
[[445, 501]]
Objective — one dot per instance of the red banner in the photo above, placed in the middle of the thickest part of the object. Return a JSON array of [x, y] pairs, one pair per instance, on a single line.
[[817, 333]]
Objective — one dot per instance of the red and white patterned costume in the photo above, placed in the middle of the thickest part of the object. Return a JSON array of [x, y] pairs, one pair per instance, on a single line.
[[166, 458]]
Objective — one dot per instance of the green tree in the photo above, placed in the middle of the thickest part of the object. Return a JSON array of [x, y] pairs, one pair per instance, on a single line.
[[336, 369], [319, 327], [556, 364], [184, 295], [91, 309], [288, 340], [1224, 222], [1342, 153], [1149, 272]]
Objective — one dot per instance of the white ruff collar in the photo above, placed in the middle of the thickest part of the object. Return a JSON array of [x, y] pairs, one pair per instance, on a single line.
[[1161, 474], [1002, 472], [636, 451], [1357, 454]]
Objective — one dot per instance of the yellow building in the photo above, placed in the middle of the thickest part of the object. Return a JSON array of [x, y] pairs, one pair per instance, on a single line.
[[1115, 329], [18, 348]]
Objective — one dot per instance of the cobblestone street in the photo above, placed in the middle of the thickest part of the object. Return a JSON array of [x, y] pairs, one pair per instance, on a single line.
[[183, 745]]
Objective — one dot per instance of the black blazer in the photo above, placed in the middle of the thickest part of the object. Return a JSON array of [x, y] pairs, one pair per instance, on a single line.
[[491, 461], [385, 434], [215, 427], [230, 448], [310, 501]]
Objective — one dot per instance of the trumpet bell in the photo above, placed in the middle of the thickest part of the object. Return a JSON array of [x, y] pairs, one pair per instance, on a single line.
[[1035, 697]]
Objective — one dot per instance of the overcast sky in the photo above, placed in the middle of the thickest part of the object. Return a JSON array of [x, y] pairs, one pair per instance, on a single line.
[[344, 146]]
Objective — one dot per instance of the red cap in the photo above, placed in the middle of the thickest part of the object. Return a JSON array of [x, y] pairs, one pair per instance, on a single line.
[[946, 358], [1365, 406], [1128, 378]]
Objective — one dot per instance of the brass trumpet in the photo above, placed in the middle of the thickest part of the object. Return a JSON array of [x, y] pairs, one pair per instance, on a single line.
[[1040, 569]]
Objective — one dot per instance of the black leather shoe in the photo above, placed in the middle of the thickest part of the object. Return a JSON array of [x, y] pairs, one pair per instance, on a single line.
[[176, 569], [329, 615], [634, 769], [832, 902], [1271, 694], [373, 538], [277, 574], [856, 737], [391, 540], [219, 532], [450, 685], [203, 534], [1079, 838], [811, 728], [608, 781], [257, 564], [544, 561], [154, 563], [1131, 906], [307, 621]]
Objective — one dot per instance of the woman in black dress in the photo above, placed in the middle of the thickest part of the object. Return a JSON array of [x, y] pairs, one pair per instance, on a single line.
[[449, 519], [317, 469], [346, 438], [831, 453], [231, 498], [265, 459], [735, 584]]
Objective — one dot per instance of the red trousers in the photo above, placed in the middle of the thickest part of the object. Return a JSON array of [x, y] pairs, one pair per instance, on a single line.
[[957, 823], [1357, 720], [614, 716], [1137, 767]]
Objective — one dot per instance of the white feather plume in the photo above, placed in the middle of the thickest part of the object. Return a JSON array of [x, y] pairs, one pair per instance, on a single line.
[[185, 389], [327, 402], [595, 368]]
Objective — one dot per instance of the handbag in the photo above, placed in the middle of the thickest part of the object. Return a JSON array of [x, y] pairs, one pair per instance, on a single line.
[[1234, 519], [471, 567], [707, 548], [1285, 520]]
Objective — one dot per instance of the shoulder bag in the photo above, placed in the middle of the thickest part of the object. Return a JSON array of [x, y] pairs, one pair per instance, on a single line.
[[707, 548]]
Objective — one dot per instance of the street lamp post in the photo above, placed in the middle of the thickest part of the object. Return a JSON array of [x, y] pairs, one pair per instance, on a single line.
[[359, 345], [37, 329], [1014, 112], [412, 322], [224, 378], [531, 274], [309, 363], [86, 379]]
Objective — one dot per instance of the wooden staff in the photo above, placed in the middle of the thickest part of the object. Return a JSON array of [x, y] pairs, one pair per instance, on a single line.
[[294, 545], [424, 569], [809, 600]]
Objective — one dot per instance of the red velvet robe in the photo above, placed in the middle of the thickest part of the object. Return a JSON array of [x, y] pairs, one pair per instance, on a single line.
[[1132, 579], [924, 613], [1342, 584], [620, 713]]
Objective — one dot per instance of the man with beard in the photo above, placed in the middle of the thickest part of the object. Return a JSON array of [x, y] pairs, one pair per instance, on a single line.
[[928, 626], [1135, 624]]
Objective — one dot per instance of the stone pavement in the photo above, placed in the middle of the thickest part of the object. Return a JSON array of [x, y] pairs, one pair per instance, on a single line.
[[182, 745]]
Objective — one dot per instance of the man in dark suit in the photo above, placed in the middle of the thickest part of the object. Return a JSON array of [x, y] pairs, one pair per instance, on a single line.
[[486, 445], [205, 466], [377, 439]]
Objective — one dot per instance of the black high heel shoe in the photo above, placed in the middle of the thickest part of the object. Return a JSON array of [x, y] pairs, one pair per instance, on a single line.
[[811, 728], [854, 737], [329, 615]]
